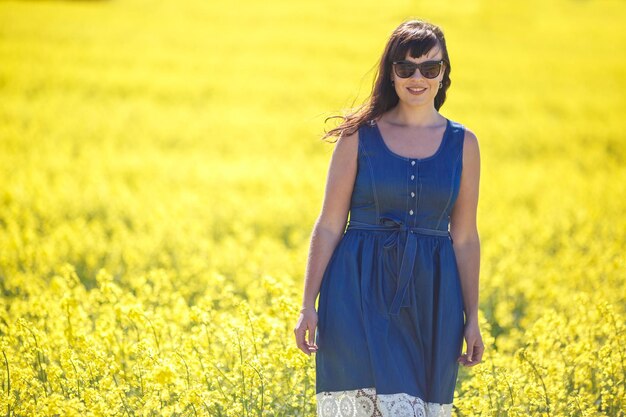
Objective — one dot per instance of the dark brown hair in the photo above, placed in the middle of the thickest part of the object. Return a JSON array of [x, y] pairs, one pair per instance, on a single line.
[[416, 36]]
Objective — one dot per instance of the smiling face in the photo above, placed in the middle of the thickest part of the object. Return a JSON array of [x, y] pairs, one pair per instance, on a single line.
[[418, 90]]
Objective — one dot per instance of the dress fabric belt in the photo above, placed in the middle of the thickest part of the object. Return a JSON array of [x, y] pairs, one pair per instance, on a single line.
[[408, 255]]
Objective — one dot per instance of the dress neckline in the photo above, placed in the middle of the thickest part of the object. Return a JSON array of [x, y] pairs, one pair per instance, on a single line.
[[406, 158]]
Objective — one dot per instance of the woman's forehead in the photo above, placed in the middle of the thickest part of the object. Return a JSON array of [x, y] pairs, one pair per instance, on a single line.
[[434, 53]]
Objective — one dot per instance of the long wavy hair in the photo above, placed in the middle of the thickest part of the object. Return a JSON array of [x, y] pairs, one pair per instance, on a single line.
[[418, 37]]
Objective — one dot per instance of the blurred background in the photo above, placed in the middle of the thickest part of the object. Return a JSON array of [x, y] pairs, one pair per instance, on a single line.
[[161, 169]]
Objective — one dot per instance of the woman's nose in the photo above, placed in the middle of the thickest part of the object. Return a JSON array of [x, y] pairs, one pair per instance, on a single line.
[[417, 74]]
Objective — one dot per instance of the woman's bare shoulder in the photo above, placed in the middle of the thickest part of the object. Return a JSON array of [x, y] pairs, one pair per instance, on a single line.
[[340, 183], [347, 146], [471, 150]]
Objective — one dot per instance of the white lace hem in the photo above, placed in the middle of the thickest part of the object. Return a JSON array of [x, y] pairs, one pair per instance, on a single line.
[[365, 403]]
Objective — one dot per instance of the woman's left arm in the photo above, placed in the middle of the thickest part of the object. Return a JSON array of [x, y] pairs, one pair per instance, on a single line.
[[466, 244]]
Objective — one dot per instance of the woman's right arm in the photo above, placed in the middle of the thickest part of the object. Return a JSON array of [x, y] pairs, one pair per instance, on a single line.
[[327, 232], [331, 223]]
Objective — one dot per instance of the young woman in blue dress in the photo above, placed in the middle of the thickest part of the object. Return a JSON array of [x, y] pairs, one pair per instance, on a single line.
[[405, 100]]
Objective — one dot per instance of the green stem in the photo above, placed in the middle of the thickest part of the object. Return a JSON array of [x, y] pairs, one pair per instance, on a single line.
[[6, 364], [77, 379], [186, 367], [156, 338], [543, 385]]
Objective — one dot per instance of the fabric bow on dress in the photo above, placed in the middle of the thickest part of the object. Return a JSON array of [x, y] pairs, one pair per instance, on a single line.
[[406, 256]]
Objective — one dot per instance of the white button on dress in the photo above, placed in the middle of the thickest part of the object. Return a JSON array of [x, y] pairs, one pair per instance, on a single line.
[[411, 212], [412, 177], [412, 162], [412, 194]]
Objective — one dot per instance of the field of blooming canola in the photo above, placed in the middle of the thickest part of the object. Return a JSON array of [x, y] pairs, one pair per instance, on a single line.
[[160, 173]]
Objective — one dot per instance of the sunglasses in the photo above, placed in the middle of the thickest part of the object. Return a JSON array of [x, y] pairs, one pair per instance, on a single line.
[[429, 69]]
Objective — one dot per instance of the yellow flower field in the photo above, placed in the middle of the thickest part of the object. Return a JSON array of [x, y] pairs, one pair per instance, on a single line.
[[161, 171]]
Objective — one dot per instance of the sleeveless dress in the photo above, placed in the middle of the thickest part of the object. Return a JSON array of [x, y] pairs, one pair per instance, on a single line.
[[390, 311]]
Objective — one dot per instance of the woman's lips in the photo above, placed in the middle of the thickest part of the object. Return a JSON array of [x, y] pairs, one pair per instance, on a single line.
[[416, 91]]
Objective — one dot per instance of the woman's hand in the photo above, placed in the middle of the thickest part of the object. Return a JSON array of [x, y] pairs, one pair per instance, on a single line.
[[306, 321], [475, 347]]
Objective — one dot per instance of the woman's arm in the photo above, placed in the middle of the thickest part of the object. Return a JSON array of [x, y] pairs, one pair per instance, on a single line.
[[331, 223], [463, 229], [466, 244], [327, 232]]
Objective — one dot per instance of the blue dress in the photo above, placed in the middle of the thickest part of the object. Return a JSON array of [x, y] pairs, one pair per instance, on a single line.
[[390, 311]]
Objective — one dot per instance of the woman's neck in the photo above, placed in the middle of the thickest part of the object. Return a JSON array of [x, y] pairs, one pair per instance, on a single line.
[[401, 116]]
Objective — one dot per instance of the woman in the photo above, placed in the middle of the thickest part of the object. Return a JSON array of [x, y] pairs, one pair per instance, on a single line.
[[398, 289]]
